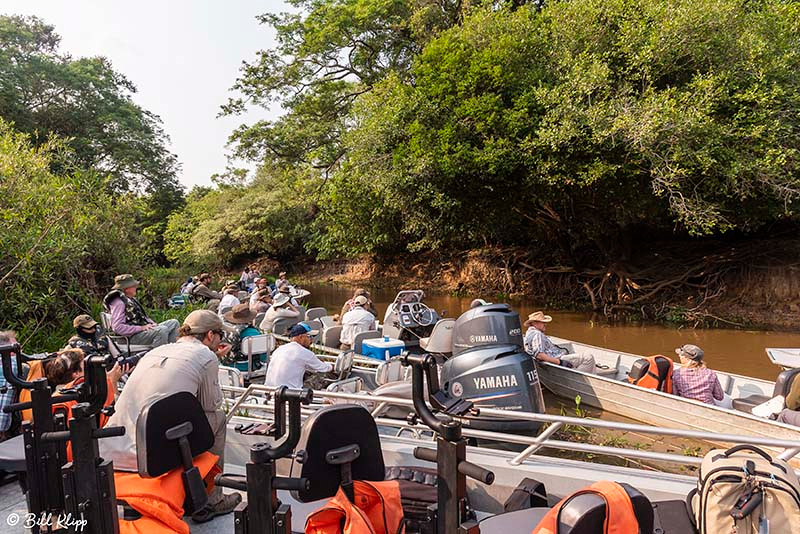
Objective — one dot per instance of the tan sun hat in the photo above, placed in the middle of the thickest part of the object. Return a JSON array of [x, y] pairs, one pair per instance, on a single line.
[[240, 314], [84, 321], [538, 316], [124, 281], [202, 321], [279, 300]]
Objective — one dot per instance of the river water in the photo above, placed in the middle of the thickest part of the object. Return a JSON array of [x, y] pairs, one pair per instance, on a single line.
[[736, 351]]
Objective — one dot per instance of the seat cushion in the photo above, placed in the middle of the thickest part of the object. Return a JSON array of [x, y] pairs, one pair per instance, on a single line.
[[745, 404], [12, 455]]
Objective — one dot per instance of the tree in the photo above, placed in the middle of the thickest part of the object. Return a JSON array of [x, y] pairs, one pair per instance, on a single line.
[[86, 102]]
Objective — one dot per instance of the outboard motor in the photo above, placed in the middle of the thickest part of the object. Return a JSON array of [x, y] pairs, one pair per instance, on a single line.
[[490, 368], [487, 326]]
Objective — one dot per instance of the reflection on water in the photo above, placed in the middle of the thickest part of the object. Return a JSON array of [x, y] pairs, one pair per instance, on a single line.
[[736, 351]]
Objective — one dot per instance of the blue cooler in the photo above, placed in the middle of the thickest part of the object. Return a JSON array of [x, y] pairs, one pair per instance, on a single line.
[[382, 348]]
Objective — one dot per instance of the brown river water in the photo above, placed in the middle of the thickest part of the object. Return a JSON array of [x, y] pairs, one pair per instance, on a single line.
[[736, 351]]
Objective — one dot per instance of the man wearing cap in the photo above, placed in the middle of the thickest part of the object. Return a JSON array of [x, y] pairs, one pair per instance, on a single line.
[[85, 337], [281, 281], [260, 301], [191, 364], [281, 309], [693, 379], [129, 319], [355, 321], [290, 361], [350, 304], [202, 293]]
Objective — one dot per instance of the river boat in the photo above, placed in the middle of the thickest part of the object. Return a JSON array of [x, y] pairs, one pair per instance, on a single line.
[[609, 390]]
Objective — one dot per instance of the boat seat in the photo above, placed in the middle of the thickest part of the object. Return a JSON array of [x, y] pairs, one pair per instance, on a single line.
[[441, 339], [315, 313], [358, 339], [517, 521], [782, 386], [330, 428], [12, 455], [609, 372], [330, 336]]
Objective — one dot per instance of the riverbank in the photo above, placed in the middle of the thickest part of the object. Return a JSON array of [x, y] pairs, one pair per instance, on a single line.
[[750, 285]]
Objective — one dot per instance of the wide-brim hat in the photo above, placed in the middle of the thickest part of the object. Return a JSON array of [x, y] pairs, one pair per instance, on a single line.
[[240, 314], [124, 281], [538, 317], [279, 300]]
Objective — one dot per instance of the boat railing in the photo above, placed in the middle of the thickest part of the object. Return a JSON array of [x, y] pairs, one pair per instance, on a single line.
[[238, 407]]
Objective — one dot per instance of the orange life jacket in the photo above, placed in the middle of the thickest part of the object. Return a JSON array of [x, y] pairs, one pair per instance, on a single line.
[[651, 379], [35, 371], [620, 517], [66, 408], [160, 499], [377, 510]]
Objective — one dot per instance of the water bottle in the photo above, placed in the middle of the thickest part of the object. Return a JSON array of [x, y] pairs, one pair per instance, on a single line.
[[386, 339]]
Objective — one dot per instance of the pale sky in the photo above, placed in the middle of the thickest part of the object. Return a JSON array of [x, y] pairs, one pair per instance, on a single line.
[[182, 55]]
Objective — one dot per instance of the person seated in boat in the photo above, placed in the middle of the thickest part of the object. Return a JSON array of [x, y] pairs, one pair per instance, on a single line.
[[350, 304], [203, 294], [248, 278], [85, 337], [260, 301], [129, 319], [791, 414], [693, 380], [289, 362], [538, 345], [281, 308], [229, 298], [65, 371], [281, 281], [7, 337], [287, 290], [191, 364], [357, 320]]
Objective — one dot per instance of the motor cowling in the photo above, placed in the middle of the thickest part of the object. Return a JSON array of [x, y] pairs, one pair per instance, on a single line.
[[489, 325], [502, 377]]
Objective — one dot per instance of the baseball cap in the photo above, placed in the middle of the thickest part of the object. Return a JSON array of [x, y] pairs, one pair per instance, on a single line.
[[84, 321], [693, 352], [202, 321], [360, 300], [302, 328]]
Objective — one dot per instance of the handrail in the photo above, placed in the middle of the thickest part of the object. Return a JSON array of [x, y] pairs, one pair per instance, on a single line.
[[534, 443]]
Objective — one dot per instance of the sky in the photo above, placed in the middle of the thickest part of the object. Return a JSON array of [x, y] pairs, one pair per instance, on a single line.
[[182, 55]]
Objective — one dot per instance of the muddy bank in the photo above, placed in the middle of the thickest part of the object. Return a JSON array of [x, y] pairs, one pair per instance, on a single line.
[[747, 285]]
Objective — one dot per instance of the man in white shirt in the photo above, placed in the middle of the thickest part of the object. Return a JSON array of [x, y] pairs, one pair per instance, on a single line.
[[355, 321], [229, 299], [290, 361]]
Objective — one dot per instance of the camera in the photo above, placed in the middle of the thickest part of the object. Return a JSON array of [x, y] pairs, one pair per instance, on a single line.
[[131, 360]]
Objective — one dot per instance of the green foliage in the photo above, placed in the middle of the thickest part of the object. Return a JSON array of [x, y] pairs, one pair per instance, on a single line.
[[45, 92], [62, 233], [268, 217]]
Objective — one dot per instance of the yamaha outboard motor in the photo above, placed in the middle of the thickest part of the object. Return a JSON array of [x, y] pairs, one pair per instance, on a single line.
[[486, 326], [490, 368]]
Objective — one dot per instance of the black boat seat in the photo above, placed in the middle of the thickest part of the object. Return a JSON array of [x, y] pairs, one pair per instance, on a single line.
[[783, 383], [12, 455], [330, 428], [582, 513]]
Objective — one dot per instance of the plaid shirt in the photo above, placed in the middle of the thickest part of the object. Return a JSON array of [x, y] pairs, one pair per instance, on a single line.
[[6, 398], [536, 341], [699, 383]]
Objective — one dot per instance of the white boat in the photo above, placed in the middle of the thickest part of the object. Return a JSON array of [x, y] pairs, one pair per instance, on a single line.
[[609, 390]]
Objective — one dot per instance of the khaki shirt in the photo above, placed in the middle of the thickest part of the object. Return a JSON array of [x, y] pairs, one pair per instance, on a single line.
[[204, 292], [186, 365]]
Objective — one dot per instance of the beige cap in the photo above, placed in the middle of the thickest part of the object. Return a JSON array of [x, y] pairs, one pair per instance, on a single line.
[[84, 321], [124, 281], [538, 316], [360, 300], [202, 321]]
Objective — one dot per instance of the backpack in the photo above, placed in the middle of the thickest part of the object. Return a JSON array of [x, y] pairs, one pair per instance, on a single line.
[[604, 507], [653, 372], [740, 489]]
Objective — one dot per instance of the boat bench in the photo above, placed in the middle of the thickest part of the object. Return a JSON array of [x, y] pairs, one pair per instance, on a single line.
[[782, 386], [12, 455]]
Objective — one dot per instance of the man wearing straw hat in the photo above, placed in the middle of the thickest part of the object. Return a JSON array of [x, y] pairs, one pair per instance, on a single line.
[[281, 308], [129, 319], [538, 345]]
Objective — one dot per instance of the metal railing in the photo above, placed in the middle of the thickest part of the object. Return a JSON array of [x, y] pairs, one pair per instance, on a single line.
[[533, 443]]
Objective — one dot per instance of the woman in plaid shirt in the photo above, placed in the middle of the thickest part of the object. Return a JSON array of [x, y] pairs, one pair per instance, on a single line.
[[693, 379]]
